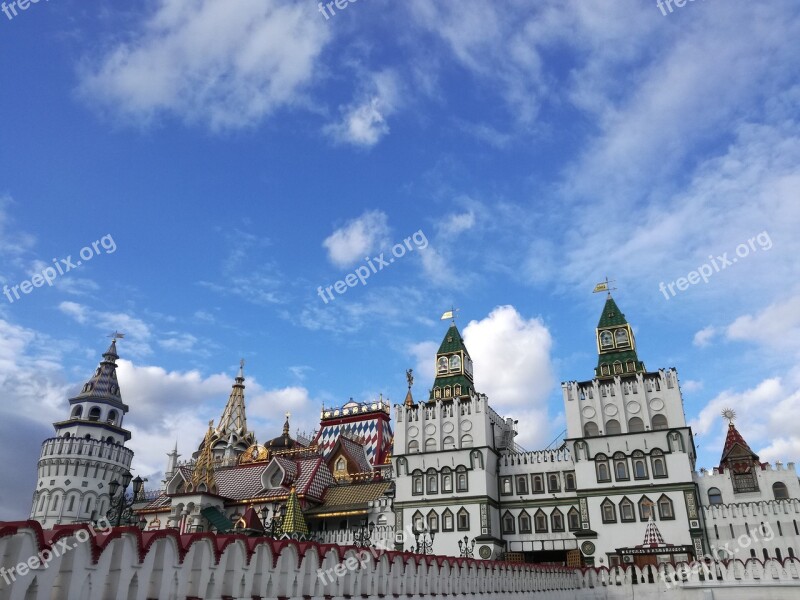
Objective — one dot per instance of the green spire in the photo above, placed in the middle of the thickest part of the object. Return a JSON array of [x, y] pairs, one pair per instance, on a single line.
[[616, 345], [453, 368], [293, 523]]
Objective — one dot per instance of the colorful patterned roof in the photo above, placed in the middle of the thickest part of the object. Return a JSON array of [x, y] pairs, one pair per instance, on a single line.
[[203, 472], [355, 452], [354, 496], [103, 385], [293, 522], [735, 447], [652, 536], [233, 422]]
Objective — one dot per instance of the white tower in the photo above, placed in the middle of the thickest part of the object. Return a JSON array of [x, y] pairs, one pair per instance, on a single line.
[[87, 452]]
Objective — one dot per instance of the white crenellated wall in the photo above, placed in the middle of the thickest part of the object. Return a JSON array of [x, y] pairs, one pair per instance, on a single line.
[[128, 565]]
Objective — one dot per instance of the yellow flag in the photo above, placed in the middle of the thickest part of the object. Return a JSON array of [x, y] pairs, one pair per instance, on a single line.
[[447, 315], [600, 287]]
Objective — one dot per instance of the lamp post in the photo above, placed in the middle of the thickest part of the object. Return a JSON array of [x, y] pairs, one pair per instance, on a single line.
[[421, 544], [121, 510], [362, 535], [273, 527], [465, 547]]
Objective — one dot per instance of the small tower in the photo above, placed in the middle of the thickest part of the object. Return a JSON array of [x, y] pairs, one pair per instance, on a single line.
[[231, 438], [616, 345], [87, 452], [453, 368]]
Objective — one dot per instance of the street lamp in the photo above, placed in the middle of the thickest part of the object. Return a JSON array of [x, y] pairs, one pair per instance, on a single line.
[[362, 535], [121, 509], [273, 527], [465, 547], [421, 544]]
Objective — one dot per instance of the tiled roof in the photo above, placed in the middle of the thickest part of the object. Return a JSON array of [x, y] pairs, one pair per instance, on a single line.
[[352, 496], [356, 453], [733, 440], [289, 467], [162, 501], [241, 482]]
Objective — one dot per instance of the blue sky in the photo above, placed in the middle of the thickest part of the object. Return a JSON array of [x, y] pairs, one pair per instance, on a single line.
[[242, 154]]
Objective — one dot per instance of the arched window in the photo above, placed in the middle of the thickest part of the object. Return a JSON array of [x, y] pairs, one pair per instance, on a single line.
[[602, 469], [88, 505], [463, 520], [455, 363], [635, 425], [621, 467], [645, 508], [71, 503], [449, 443], [430, 445], [626, 513], [780, 491], [433, 521], [658, 463], [522, 484], [42, 501], [639, 465], [94, 414], [448, 522], [112, 417], [442, 362], [606, 340], [665, 509], [447, 391], [540, 521], [54, 503], [609, 511], [621, 337], [660, 422], [590, 429], [573, 519], [432, 480], [413, 446], [538, 484], [525, 522], [417, 484], [617, 369], [569, 482], [613, 427], [505, 486], [714, 496], [341, 464], [77, 412], [466, 441], [418, 521], [553, 483], [557, 520], [447, 481], [402, 466], [508, 523], [461, 479]]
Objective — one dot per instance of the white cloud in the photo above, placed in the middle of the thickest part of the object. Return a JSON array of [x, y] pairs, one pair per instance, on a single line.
[[513, 366], [212, 62], [776, 327], [352, 242], [703, 337], [691, 385], [137, 332], [456, 223], [363, 122]]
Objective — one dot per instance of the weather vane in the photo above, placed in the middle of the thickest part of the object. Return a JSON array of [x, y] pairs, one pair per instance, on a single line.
[[450, 314], [117, 335], [729, 414], [604, 286], [410, 377]]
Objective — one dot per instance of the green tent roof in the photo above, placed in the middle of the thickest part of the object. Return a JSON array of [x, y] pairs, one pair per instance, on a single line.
[[612, 315]]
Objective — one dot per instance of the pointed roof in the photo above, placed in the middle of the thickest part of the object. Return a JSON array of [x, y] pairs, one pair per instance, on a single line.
[[234, 420], [652, 536], [736, 449], [612, 315], [103, 385], [452, 342], [621, 350], [293, 522], [203, 473]]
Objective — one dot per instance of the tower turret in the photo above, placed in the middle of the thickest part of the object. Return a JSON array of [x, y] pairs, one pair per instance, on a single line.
[[453, 368], [616, 345], [87, 452]]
